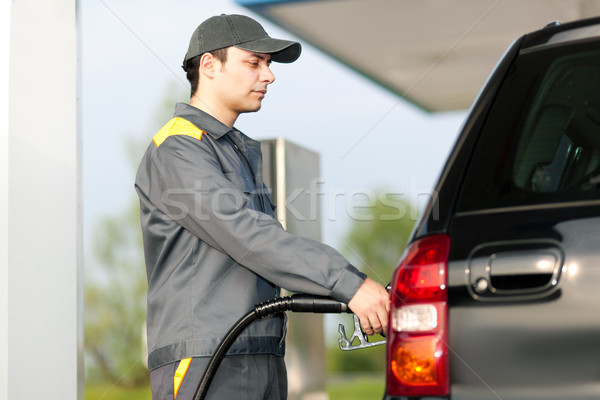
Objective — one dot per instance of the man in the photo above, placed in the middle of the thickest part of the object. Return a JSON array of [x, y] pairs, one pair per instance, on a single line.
[[213, 248]]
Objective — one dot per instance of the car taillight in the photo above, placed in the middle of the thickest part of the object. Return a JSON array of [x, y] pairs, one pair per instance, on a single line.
[[417, 356]]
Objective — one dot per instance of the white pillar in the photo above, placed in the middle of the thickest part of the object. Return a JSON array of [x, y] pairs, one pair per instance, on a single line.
[[4, 62], [41, 227]]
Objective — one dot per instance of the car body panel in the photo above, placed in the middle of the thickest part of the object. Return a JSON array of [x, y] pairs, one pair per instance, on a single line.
[[520, 200]]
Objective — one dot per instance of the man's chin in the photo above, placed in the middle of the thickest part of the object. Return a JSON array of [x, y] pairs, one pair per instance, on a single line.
[[252, 109]]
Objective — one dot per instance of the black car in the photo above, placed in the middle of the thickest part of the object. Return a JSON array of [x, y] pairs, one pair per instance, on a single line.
[[498, 293]]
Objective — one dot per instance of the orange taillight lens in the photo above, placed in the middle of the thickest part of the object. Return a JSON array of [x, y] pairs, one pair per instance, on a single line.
[[414, 362]]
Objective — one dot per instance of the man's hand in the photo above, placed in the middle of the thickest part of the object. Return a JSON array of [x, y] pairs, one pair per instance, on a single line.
[[371, 304]]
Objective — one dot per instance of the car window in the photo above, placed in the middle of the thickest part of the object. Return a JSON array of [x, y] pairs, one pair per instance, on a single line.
[[541, 140]]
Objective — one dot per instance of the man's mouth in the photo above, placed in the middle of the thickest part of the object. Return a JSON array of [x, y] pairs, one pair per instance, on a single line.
[[262, 92]]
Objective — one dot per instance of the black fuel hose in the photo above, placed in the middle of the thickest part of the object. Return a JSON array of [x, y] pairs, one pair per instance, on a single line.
[[296, 303]]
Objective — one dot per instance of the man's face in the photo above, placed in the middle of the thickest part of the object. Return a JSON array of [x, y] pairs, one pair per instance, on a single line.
[[242, 81]]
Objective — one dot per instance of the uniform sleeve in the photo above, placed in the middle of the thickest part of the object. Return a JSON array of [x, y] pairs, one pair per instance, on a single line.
[[186, 182]]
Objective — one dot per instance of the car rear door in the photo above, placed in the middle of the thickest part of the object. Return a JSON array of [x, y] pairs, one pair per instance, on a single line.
[[524, 261]]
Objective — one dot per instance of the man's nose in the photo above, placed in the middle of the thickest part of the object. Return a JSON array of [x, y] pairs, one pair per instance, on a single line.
[[267, 75]]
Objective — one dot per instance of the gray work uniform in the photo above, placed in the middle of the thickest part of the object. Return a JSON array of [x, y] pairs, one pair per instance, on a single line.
[[247, 377], [212, 246]]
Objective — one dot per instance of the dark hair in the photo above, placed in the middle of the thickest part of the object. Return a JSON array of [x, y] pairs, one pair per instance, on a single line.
[[192, 65]]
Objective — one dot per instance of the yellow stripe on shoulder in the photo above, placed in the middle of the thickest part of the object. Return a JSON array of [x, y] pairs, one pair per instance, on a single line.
[[177, 126]]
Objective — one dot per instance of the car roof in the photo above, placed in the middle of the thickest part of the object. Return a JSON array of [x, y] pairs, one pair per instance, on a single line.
[[555, 32]]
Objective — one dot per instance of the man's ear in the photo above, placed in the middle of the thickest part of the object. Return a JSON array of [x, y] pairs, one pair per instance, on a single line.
[[208, 65]]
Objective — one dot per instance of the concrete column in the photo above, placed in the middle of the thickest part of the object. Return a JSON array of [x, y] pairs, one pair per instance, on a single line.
[[4, 62], [42, 225]]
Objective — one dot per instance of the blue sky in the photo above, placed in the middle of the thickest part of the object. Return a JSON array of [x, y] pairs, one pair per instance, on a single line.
[[367, 138]]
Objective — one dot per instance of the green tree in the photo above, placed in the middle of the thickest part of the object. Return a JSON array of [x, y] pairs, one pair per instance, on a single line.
[[378, 236], [115, 302], [374, 244]]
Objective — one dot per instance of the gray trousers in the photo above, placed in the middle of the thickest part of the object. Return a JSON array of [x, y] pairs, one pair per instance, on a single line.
[[251, 377]]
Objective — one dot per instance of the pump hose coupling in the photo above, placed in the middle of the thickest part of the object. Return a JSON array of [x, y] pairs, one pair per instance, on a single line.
[[300, 303]]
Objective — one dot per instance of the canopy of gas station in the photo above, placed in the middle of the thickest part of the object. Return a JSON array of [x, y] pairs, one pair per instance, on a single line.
[[436, 54]]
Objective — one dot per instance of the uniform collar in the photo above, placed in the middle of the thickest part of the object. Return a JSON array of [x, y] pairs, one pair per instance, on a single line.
[[202, 120], [250, 148]]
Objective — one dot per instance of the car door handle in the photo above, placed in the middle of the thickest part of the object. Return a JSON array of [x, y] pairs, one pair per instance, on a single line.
[[514, 270], [522, 271]]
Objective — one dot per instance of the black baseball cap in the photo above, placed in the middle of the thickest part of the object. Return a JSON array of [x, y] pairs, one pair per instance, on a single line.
[[242, 32]]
